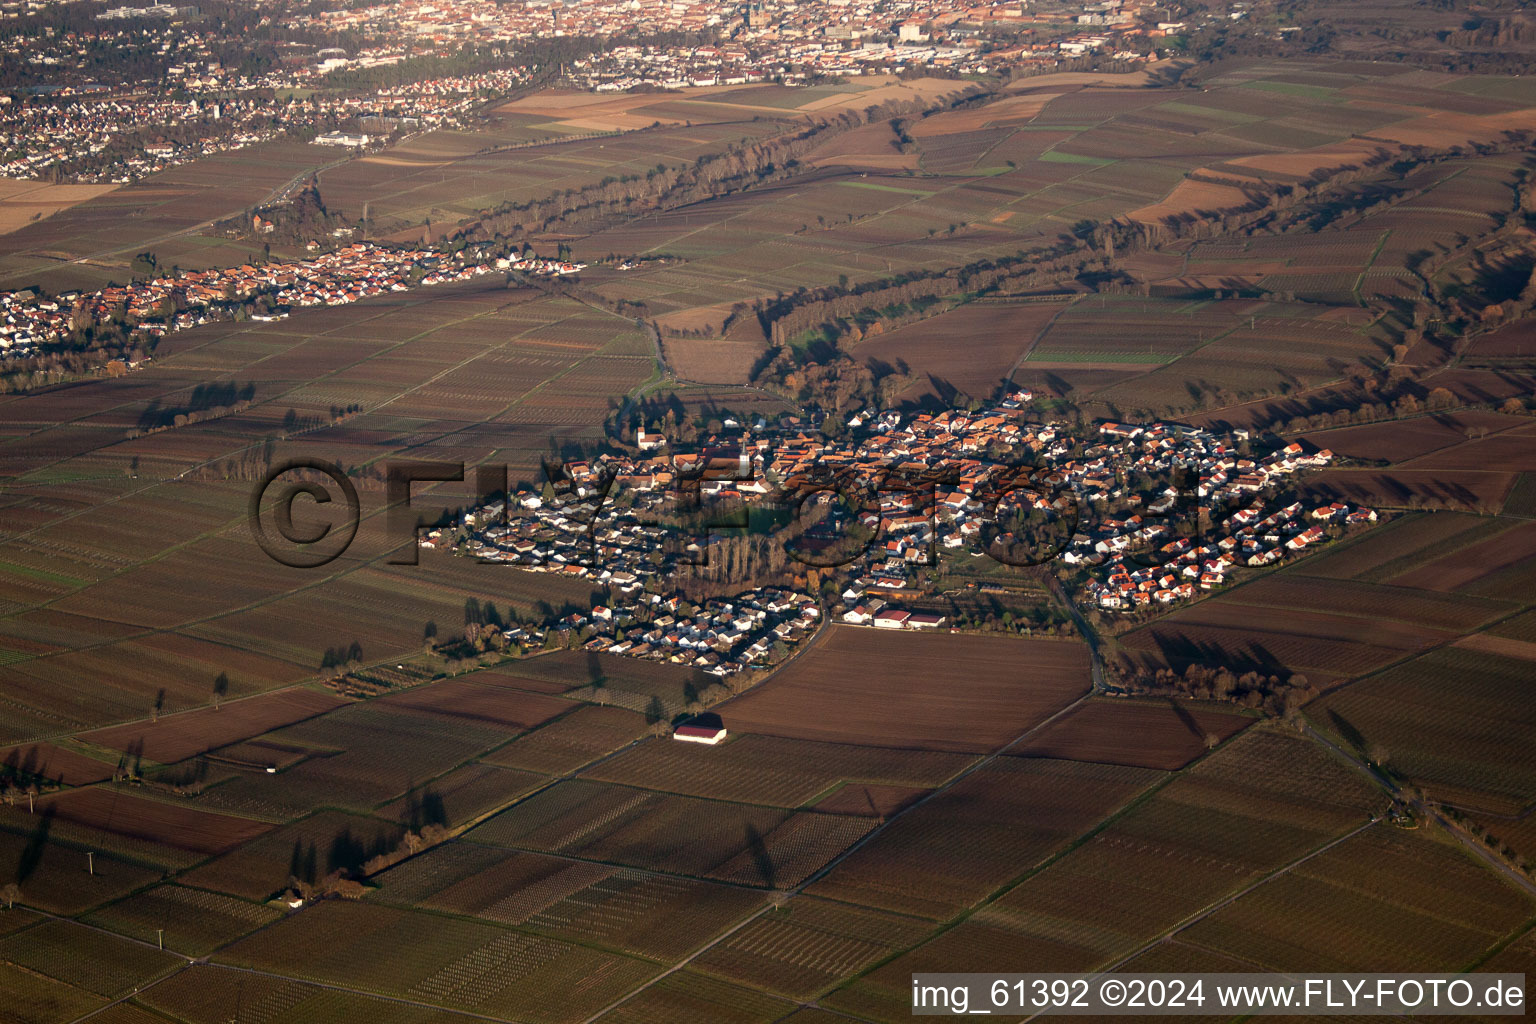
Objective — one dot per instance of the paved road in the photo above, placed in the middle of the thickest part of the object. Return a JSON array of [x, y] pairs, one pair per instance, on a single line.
[[1425, 812], [1090, 635]]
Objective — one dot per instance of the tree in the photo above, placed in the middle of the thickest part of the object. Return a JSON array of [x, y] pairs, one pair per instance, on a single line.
[[12, 892], [220, 688]]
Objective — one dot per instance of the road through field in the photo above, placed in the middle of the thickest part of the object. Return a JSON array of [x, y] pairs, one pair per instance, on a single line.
[[1386, 782]]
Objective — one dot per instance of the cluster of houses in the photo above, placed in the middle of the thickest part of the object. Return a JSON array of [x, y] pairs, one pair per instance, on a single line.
[[66, 132], [119, 132], [1141, 560], [1132, 494], [722, 637], [172, 302], [108, 135]]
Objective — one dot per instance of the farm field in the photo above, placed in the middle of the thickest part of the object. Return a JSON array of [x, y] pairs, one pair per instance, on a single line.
[[741, 843], [116, 816], [1457, 721], [1251, 807], [567, 743], [1165, 736], [1401, 441], [449, 176], [811, 943], [178, 737], [773, 770], [461, 796], [993, 690], [457, 963], [56, 876], [23, 202], [84, 958], [1014, 811], [689, 995], [210, 994], [1385, 899], [308, 849], [646, 914], [60, 764], [193, 921], [362, 756], [972, 349]]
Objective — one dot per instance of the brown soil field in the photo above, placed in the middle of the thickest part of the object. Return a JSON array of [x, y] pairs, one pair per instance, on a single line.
[[1400, 440], [570, 742], [1014, 109], [1011, 813], [560, 104], [57, 763], [1145, 735], [1322, 646], [1056, 79], [1386, 899], [1458, 720], [22, 202], [1512, 449], [174, 200], [772, 770], [1487, 385], [1188, 196], [1404, 542], [933, 692], [57, 879], [1305, 162], [697, 318], [1445, 129], [1469, 490], [1062, 379], [973, 348], [599, 112], [870, 801], [1513, 341], [178, 825], [1394, 600], [872, 146], [741, 843], [1462, 569], [1507, 646], [178, 737], [261, 867], [806, 946], [464, 794], [649, 915], [481, 700], [712, 360], [1257, 803]]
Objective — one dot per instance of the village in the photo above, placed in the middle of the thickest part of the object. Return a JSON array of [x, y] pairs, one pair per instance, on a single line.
[[933, 483], [98, 136], [184, 299], [79, 129]]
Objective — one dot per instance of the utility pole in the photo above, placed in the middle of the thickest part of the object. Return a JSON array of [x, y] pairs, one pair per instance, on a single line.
[[160, 937], [90, 862]]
